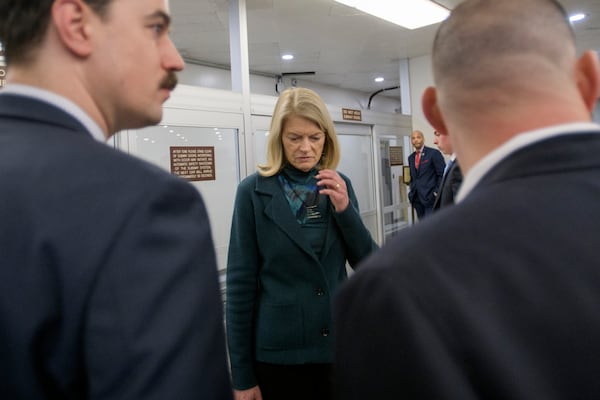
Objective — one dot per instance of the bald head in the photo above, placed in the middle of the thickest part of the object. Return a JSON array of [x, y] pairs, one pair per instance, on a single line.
[[503, 67], [501, 43], [417, 139]]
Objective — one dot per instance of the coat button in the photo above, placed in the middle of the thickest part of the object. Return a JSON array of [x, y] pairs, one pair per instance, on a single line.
[[324, 332], [320, 292]]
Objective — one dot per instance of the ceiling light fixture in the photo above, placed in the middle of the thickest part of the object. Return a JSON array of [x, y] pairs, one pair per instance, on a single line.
[[576, 17], [287, 57], [409, 14], [379, 79]]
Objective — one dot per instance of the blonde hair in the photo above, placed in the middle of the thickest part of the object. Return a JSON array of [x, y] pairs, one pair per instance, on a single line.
[[305, 103]]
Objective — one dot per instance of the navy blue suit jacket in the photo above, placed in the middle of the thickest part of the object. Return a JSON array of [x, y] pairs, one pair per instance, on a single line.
[[449, 186], [108, 281], [425, 180], [506, 307]]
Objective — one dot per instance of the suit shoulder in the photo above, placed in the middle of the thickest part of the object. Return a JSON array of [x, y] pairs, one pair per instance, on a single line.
[[117, 169], [250, 182], [435, 152]]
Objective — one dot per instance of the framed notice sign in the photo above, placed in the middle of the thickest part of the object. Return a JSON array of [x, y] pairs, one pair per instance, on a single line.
[[396, 156], [2, 67], [406, 174], [193, 163], [2, 75], [351, 114]]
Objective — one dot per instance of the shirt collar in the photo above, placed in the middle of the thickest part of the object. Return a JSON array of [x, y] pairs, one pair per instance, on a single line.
[[483, 166], [59, 101]]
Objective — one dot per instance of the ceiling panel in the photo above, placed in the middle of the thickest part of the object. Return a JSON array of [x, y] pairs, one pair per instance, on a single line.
[[344, 47]]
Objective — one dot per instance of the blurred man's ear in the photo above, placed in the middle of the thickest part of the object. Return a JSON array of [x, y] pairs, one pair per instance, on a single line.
[[432, 111], [588, 78]]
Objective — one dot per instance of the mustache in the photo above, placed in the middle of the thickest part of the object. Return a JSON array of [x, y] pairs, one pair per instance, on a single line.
[[170, 81]]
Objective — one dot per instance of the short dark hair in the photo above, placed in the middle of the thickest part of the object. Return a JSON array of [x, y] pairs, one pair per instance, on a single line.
[[23, 25]]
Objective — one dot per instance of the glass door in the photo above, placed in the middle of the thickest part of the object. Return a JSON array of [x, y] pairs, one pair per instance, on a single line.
[[394, 192], [202, 148]]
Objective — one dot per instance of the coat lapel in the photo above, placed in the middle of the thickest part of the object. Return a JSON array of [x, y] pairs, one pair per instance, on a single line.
[[276, 208]]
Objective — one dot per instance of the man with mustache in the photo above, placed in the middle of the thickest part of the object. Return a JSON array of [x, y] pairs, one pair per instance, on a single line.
[[108, 278]]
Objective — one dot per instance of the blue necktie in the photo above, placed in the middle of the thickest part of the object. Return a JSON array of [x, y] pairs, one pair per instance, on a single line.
[[447, 168]]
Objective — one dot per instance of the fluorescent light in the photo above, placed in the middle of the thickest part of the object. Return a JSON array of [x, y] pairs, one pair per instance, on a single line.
[[379, 79], [287, 57], [576, 17], [410, 14]]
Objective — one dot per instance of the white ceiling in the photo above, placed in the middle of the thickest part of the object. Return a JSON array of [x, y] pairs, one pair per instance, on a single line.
[[344, 47]]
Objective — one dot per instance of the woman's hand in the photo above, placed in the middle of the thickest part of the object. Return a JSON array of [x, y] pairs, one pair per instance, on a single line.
[[331, 184], [248, 394]]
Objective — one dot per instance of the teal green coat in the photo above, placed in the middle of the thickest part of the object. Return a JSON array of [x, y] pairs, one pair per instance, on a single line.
[[279, 293]]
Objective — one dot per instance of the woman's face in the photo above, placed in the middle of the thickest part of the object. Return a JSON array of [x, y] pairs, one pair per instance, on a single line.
[[303, 142]]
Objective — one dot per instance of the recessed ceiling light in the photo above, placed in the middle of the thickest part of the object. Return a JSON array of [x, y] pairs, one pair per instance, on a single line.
[[379, 79], [576, 17], [287, 56], [409, 14]]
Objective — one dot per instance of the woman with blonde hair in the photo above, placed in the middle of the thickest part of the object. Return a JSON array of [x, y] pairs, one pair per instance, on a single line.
[[295, 225]]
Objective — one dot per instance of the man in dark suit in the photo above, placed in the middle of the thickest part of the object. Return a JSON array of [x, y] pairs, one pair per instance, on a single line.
[[108, 280], [452, 174], [506, 307], [426, 170]]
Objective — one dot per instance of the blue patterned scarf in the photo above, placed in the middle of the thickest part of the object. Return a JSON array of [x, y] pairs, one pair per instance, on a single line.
[[301, 192]]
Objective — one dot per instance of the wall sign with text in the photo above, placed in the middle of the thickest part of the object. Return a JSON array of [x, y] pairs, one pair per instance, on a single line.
[[2, 68], [193, 163], [396, 156], [351, 115]]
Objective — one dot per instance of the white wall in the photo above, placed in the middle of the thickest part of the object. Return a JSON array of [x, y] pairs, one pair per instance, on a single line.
[[216, 78], [421, 76]]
